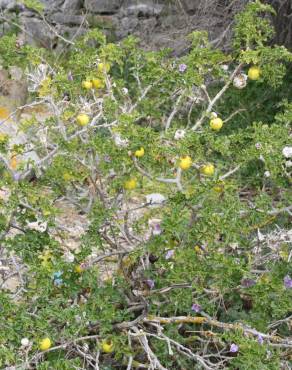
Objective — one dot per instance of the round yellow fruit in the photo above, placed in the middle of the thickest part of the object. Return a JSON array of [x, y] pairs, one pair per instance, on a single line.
[[3, 137], [82, 119], [254, 73], [219, 188], [208, 169], [216, 124], [130, 184], [139, 153], [78, 269], [98, 83], [185, 162], [45, 344], [107, 346], [103, 67], [67, 176], [87, 85]]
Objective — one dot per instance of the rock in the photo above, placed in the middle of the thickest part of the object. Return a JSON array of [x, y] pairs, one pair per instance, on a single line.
[[71, 6], [67, 19], [102, 6], [38, 33], [142, 8], [190, 6]]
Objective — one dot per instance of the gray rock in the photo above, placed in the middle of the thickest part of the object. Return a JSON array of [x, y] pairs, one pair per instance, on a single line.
[[38, 33], [102, 6], [142, 8], [67, 19], [71, 6]]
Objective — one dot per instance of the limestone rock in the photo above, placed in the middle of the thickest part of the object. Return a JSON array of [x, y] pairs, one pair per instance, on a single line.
[[102, 6]]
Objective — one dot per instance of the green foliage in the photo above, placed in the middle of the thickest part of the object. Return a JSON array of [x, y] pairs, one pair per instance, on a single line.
[[219, 240]]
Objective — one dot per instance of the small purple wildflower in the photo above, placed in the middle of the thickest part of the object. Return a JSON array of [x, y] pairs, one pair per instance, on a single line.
[[258, 145], [16, 176], [157, 230], [169, 254], [196, 307], [247, 283], [260, 339], [287, 282], [233, 348], [150, 283], [70, 76], [182, 67]]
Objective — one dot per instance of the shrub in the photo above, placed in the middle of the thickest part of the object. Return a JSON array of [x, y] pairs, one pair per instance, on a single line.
[[192, 222]]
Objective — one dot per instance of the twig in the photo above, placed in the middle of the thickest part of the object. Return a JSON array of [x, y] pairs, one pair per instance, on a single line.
[[174, 111], [216, 98], [234, 114]]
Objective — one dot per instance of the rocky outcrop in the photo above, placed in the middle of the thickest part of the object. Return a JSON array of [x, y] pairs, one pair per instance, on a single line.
[[159, 23]]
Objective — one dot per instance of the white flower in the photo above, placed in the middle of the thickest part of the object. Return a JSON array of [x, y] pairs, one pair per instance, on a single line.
[[69, 257], [240, 81], [155, 199], [287, 151], [38, 226], [125, 91], [120, 142], [288, 164], [225, 67], [267, 173], [213, 115], [24, 342], [179, 134], [37, 76]]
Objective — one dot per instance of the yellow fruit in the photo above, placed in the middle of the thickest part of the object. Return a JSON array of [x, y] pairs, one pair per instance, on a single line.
[[82, 119], [3, 137], [87, 85], [130, 184], [219, 188], [185, 163], [208, 169], [254, 73], [13, 162], [139, 153], [67, 176], [107, 346], [78, 269], [198, 249], [103, 67], [45, 344], [216, 124], [98, 83]]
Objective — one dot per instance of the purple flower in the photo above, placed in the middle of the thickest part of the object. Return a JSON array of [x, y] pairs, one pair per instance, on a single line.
[[233, 348], [196, 307], [247, 283], [70, 76], [169, 254], [16, 176], [260, 339], [287, 282], [157, 230], [258, 145], [182, 67], [150, 283]]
